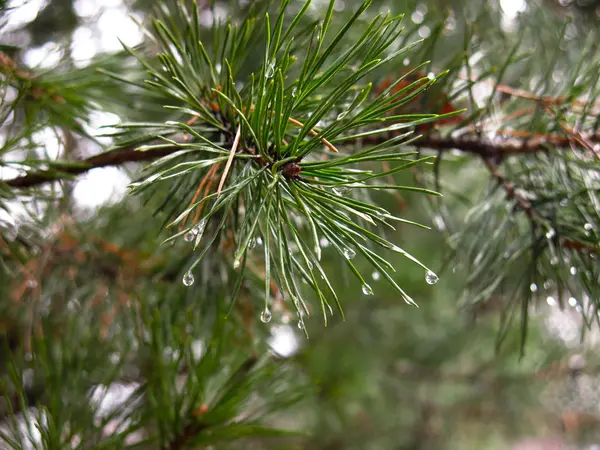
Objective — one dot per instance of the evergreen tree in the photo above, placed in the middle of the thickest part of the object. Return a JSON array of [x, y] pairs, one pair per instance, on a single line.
[[300, 176]]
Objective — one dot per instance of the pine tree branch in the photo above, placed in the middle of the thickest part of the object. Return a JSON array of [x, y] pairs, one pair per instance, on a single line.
[[512, 193], [113, 158], [467, 143]]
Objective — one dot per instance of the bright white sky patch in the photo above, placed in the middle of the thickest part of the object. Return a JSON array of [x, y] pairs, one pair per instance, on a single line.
[[511, 9], [21, 12], [47, 55], [100, 186]]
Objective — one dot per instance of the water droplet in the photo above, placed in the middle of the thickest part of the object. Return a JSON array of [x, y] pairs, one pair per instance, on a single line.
[[406, 61], [340, 190], [270, 69], [564, 202], [366, 289], [342, 115], [548, 284], [587, 227], [324, 242], [431, 277], [188, 279], [554, 261], [551, 301], [294, 92], [301, 324], [572, 301], [198, 231], [533, 287], [199, 227], [349, 253], [375, 275], [189, 236], [573, 270], [431, 75], [265, 316], [236, 263], [551, 233]]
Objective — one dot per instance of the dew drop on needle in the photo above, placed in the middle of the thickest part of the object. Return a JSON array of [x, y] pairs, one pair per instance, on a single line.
[[188, 279], [265, 316], [431, 277]]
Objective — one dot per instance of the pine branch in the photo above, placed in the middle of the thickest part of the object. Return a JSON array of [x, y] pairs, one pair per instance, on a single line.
[[468, 144], [512, 193], [112, 158]]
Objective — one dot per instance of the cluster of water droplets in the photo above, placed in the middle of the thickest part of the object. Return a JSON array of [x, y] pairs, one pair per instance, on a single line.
[[349, 253], [270, 70], [340, 190], [196, 232], [257, 242]]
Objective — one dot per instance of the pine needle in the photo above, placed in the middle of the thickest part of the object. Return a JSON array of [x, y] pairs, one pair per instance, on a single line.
[[230, 159]]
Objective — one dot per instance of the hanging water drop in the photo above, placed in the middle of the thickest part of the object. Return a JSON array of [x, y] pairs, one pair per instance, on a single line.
[[431, 277], [554, 261], [324, 242], [573, 270], [236, 263], [189, 236], [375, 275], [551, 233], [349, 253], [294, 92], [533, 287], [342, 115], [301, 324], [572, 301], [188, 279], [366, 289], [265, 316]]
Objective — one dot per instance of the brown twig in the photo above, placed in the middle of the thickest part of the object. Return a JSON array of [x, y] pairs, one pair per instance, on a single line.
[[107, 159]]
